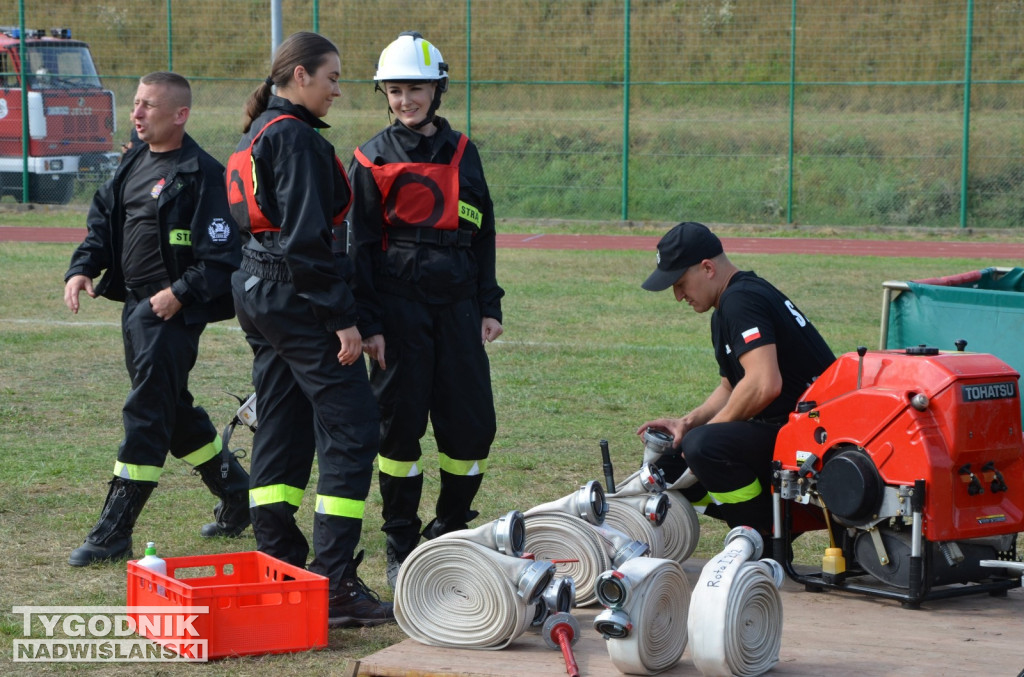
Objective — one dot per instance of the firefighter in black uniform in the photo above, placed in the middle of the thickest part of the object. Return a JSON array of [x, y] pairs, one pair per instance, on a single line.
[[423, 223], [768, 353], [161, 230], [294, 300]]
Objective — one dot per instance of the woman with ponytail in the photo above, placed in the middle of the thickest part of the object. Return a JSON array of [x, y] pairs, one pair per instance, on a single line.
[[294, 299]]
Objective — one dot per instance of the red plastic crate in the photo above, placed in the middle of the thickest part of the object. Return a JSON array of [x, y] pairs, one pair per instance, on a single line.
[[257, 603]]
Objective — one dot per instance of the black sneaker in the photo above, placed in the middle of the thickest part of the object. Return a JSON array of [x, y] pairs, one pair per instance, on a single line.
[[355, 605]]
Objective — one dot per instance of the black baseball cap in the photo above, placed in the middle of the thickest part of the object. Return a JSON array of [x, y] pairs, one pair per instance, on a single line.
[[686, 244]]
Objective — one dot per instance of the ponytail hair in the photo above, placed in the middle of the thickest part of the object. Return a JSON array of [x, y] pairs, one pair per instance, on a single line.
[[305, 49]]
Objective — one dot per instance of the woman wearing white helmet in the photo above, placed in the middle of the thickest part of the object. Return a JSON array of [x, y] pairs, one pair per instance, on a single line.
[[422, 221]]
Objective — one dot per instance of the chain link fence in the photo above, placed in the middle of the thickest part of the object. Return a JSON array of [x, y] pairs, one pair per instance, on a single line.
[[875, 112]]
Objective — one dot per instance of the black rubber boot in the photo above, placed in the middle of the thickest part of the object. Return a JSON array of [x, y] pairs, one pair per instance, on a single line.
[[401, 500], [111, 538], [228, 481], [454, 501], [353, 604]]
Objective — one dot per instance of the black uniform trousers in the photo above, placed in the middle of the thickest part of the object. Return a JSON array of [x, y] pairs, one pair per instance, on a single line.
[[733, 463], [308, 404], [159, 414], [437, 368]]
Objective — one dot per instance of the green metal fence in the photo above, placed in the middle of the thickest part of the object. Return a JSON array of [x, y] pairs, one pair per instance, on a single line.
[[866, 112]]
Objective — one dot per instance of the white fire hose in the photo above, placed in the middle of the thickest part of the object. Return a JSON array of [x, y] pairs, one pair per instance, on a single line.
[[681, 526], [639, 507], [644, 621], [679, 532], [627, 515], [569, 532], [458, 593], [681, 529], [735, 619], [580, 550]]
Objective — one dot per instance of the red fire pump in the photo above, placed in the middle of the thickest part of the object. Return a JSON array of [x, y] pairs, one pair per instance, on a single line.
[[912, 460]]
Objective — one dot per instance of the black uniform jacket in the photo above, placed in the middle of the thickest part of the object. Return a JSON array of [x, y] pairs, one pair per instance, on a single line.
[[300, 187], [428, 273], [199, 241]]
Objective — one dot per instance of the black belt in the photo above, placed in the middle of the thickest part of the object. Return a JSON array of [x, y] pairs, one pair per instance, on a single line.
[[144, 291], [445, 238]]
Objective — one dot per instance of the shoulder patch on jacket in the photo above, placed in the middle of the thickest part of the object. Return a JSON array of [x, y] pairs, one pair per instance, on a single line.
[[220, 231]]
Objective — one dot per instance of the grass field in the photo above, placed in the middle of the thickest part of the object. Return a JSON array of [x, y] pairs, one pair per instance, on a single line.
[[722, 156], [586, 355]]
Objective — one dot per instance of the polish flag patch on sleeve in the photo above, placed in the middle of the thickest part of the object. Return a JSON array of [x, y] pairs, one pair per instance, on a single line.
[[751, 334]]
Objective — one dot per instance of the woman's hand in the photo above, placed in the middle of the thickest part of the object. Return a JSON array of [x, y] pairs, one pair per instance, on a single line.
[[351, 345]]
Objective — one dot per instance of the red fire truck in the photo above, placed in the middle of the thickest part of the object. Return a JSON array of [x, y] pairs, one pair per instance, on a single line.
[[70, 119]]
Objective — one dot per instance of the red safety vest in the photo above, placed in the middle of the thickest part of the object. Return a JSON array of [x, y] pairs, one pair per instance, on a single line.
[[419, 194], [241, 180]]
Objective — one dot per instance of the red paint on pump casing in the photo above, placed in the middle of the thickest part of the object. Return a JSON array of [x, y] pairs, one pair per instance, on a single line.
[[973, 419]]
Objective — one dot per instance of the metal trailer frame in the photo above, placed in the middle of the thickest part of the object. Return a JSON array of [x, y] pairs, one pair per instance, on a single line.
[[853, 580]]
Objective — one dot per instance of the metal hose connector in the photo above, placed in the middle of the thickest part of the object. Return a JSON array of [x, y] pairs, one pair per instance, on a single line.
[[587, 503], [735, 618], [649, 479], [507, 534]]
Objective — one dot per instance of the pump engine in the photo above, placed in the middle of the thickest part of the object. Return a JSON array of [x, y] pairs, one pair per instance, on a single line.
[[913, 460]]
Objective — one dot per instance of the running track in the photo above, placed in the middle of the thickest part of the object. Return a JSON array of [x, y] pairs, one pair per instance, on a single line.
[[1013, 251]]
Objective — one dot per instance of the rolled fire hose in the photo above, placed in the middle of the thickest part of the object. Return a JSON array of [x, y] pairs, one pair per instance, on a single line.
[[507, 535], [559, 530], [639, 507], [647, 601], [681, 530], [735, 619], [581, 549], [558, 536], [628, 516], [454, 592]]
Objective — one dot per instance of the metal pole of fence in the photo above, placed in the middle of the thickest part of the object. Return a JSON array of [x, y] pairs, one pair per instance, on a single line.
[[316, 16], [965, 151], [792, 111], [275, 27], [170, 39], [24, 102], [469, 68], [625, 116]]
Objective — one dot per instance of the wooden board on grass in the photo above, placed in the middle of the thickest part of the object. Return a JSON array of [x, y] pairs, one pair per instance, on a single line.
[[824, 634]]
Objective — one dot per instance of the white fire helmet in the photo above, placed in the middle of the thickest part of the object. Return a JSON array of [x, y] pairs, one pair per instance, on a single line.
[[411, 58]]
